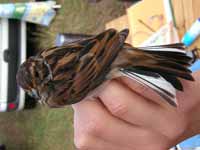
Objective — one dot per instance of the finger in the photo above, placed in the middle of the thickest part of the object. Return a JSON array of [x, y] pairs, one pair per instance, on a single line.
[[82, 137], [100, 123], [84, 141], [131, 107], [144, 91], [87, 142]]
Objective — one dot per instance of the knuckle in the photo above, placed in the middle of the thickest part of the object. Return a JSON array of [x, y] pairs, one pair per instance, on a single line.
[[146, 134], [111, 97], [112, 87], [109, 90], [119, 109], [141, 89], [135, 86], [81, 142], [95, 127]]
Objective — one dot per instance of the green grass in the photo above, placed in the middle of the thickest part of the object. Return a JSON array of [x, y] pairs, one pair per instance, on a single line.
[[52, 129], [37, 129]]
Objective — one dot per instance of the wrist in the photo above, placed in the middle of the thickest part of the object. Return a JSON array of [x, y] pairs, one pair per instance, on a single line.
[[189, 105]]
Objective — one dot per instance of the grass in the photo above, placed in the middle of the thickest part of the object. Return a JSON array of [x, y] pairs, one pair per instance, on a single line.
[[37, 129], [50, 129]]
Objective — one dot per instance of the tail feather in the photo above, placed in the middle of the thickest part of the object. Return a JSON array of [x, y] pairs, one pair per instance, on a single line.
[[157, 84], [169, 62]]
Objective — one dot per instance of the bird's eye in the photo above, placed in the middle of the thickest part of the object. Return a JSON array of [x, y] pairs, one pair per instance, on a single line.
[[30, 93], [33, 93], [37, 74]]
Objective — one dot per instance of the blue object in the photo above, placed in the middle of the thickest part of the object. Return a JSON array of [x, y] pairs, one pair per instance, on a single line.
[[188, 39], [195, 66], [191, 143], [192, 34]]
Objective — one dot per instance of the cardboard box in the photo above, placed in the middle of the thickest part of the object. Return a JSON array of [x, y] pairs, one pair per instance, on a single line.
[[145, 18]]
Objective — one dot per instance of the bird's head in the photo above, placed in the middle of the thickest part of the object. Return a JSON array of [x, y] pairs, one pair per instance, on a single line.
[[32, 76]]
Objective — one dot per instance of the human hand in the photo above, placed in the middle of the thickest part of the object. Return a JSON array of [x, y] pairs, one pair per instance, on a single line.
[[122, 119]]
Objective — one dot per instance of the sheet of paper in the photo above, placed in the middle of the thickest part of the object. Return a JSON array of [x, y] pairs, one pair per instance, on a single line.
[[165, 35]]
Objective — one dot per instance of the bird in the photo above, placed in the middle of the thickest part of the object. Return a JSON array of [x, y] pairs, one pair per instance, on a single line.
[[64, 75]]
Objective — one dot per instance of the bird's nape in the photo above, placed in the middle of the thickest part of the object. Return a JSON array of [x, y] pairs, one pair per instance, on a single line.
[[32, 74], [24, 75]]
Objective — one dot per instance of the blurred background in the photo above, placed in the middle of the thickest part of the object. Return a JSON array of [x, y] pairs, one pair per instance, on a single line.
[[35, 127], [49, 129]]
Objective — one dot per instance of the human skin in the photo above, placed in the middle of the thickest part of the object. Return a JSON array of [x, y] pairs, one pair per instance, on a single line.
[[127, 116]]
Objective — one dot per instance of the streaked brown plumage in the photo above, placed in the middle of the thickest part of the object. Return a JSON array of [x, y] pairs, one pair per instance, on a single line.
[[64, 75]]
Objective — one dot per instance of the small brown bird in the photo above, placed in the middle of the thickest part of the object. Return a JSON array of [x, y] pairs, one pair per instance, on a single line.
[[65, 75]]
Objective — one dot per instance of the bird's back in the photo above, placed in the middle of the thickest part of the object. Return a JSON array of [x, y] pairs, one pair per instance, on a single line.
[[81, 66]]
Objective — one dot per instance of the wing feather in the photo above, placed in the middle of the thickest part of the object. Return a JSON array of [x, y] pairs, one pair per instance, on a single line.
[[155, 82]]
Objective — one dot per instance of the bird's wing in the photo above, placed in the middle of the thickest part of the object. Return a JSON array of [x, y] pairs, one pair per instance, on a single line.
[[81, 66], [95, 61], [158, 67]]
